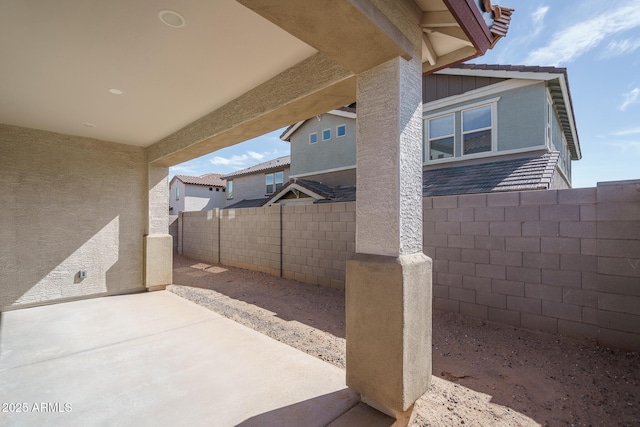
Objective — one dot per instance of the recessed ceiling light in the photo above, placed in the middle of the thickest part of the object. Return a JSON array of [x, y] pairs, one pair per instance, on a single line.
[[89, 125], [171, 18], [115, 91]]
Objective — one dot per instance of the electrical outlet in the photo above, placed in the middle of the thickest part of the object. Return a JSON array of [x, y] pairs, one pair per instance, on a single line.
[[82, 274]]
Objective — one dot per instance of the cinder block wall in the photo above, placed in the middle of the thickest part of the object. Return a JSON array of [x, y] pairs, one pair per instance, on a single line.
[[618, 251], [317, 241], [199, 235], [250, 238], [560, 261]]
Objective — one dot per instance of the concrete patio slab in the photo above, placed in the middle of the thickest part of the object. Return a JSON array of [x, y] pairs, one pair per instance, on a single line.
[[155, 359]]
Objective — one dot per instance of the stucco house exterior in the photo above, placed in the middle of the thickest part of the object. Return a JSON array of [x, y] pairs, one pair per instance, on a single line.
[[486, 128], [253, 186], [100, 99], [196, 193]]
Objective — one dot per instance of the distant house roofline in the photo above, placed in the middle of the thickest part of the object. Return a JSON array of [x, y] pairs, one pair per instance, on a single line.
[[534, 172], [206, 180], [346, 111], [267, 166]]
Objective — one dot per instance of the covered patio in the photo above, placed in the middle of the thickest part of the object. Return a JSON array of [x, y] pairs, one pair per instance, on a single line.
[[101, 99], [156, 359]]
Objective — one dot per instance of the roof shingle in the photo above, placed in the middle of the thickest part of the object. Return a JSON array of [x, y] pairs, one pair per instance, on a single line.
[[530, 173], [210, 180], [261, 167]]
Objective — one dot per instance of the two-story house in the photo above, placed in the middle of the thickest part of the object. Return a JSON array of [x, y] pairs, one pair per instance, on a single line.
[[253, 186], [486, 128], [196, 193]]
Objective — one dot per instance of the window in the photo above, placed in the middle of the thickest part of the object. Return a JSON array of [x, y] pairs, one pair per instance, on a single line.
[[341, 131], [476, 130], [210, 188], [274, 181], [326, 134], [313, 138], [230, 189], [177, 193], [549, 134], [441, 137]]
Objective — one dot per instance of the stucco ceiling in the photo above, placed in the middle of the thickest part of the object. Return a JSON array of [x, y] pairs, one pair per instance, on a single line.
[[63, 60], [60, 58]]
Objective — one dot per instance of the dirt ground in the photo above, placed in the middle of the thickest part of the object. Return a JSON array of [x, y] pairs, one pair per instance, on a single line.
[[484, 373]]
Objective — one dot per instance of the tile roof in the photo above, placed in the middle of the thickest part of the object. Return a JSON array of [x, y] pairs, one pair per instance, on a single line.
[[248, 203], [278, 163], [506, 67], [529, 173], [501, 21], [209, 179], [332, 194], [521, 174]]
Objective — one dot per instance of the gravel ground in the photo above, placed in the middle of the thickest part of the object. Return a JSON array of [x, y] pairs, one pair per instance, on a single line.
[[484, 374]]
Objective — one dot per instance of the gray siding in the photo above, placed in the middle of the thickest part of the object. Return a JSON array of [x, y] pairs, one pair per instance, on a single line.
[[558, 144], [323, 155], [438, 86], [252, 186], [520, 118]]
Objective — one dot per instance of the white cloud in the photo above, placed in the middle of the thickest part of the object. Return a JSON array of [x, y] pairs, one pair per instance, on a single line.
[[255, 155], [578, 39], [630, 98], [236, 160], [539, 14], [622, 47], [626, 145], [627, 132], [250, 158], [182, 170]]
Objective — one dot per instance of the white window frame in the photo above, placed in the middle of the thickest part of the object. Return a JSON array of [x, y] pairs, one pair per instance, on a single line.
[[428, 138], [275, 182], [323, 133], [338, 132], [458, 111], [230, 189], [549, 127], [494, 145], [310, 137], [177, 193]]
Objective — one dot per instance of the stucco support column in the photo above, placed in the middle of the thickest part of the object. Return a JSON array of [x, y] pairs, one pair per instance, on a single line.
[[388, 281], [158, 243]]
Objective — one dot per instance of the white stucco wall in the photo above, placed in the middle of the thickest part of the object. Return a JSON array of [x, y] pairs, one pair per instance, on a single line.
[[200, 198], [70, 204]]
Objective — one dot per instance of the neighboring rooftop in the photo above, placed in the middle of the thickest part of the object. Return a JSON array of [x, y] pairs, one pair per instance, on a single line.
[[507, 67], [529, 173], [209, 180], [274, 164], [248, 203], [347, 111]]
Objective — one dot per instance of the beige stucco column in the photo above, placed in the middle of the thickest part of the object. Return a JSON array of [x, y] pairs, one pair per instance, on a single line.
[[388, 282], [158, 243]]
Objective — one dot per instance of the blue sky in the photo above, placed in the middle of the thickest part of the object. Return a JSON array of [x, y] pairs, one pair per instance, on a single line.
[[599, 44]]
